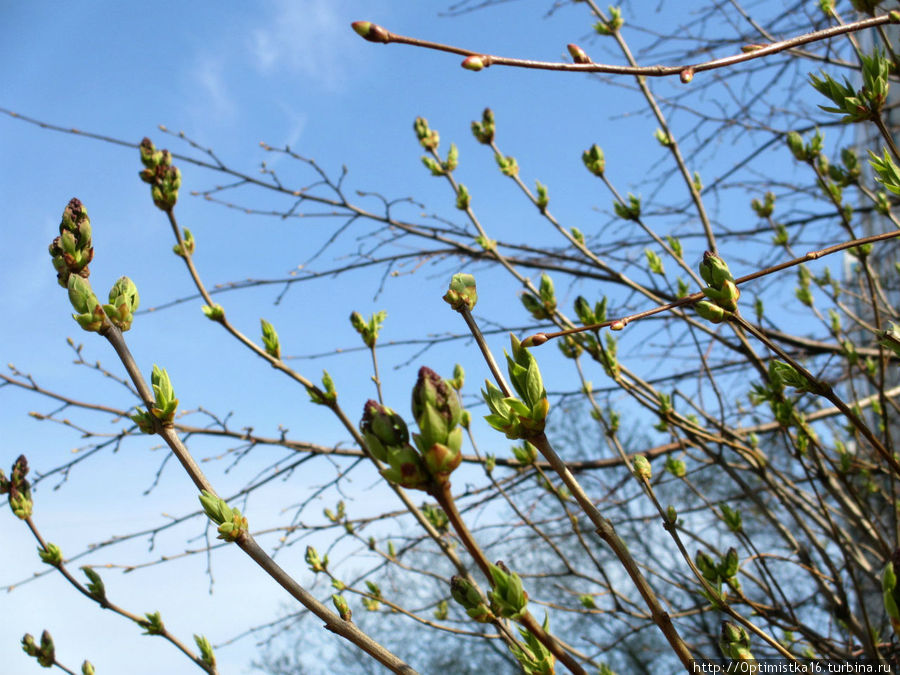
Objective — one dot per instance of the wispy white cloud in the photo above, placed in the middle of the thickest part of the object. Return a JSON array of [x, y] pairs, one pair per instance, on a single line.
[[308, 38], [209, 83]]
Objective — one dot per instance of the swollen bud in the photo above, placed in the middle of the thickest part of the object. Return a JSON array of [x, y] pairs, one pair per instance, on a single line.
[[578, 54], [476, 62], [462, 293], [594, 160], [371, 31]]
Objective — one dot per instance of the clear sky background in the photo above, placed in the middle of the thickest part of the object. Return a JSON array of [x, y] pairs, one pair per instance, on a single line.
[[231, 75]]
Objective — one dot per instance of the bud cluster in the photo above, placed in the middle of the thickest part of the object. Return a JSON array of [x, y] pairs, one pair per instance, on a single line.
[[467, 594], [437, 451], [485, 129], [72, 250], [462, 293], [164, 178], [734, 641], [18, 489], [232, 525], [45, 653], [164, 405], [722, 293]]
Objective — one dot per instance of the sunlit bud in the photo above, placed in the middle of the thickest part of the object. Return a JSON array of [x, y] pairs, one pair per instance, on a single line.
[[476, 62], [484, 130], [594, 160], [462, 293], [123, 302], [51, 555], [687, 75], [578, 54], [371, 31], [535, 340], [340, 604], [641, 466]]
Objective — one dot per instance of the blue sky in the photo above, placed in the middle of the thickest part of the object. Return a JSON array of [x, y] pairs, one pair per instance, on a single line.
[[230, 76]]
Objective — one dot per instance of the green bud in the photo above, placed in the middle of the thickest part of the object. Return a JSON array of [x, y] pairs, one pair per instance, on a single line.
[[441, 461], [186, 248], [428, 138], [152, 624], [382, 428], [214, 312], [51, 555], [95, 585], [340, 604], [232, 525], [594, 160], [671, 514], [90, 315], [123, 303], [462, 293], [732, 518], [508, 598], [710, 312], [641, 466], [484, 130], [463, 199], [676, 467], [707, 567], [164, 395], [371, 31], [316, 564], [87, 668], [735, 642], [466, 594], [476, 63], [206, 651], [270, 340]]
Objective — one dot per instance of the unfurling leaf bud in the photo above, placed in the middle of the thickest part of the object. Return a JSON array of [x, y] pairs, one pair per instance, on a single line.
[[484, 130], [206, 651], [152, 624], [508, 598], [734, 641], [95, 584], [466, 594], [641, 466], [462, 293], [214, 312], [50, 554], [232, 525], [428, 137], [90, 315], [270, 339], [123, 303], [594, 160]]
